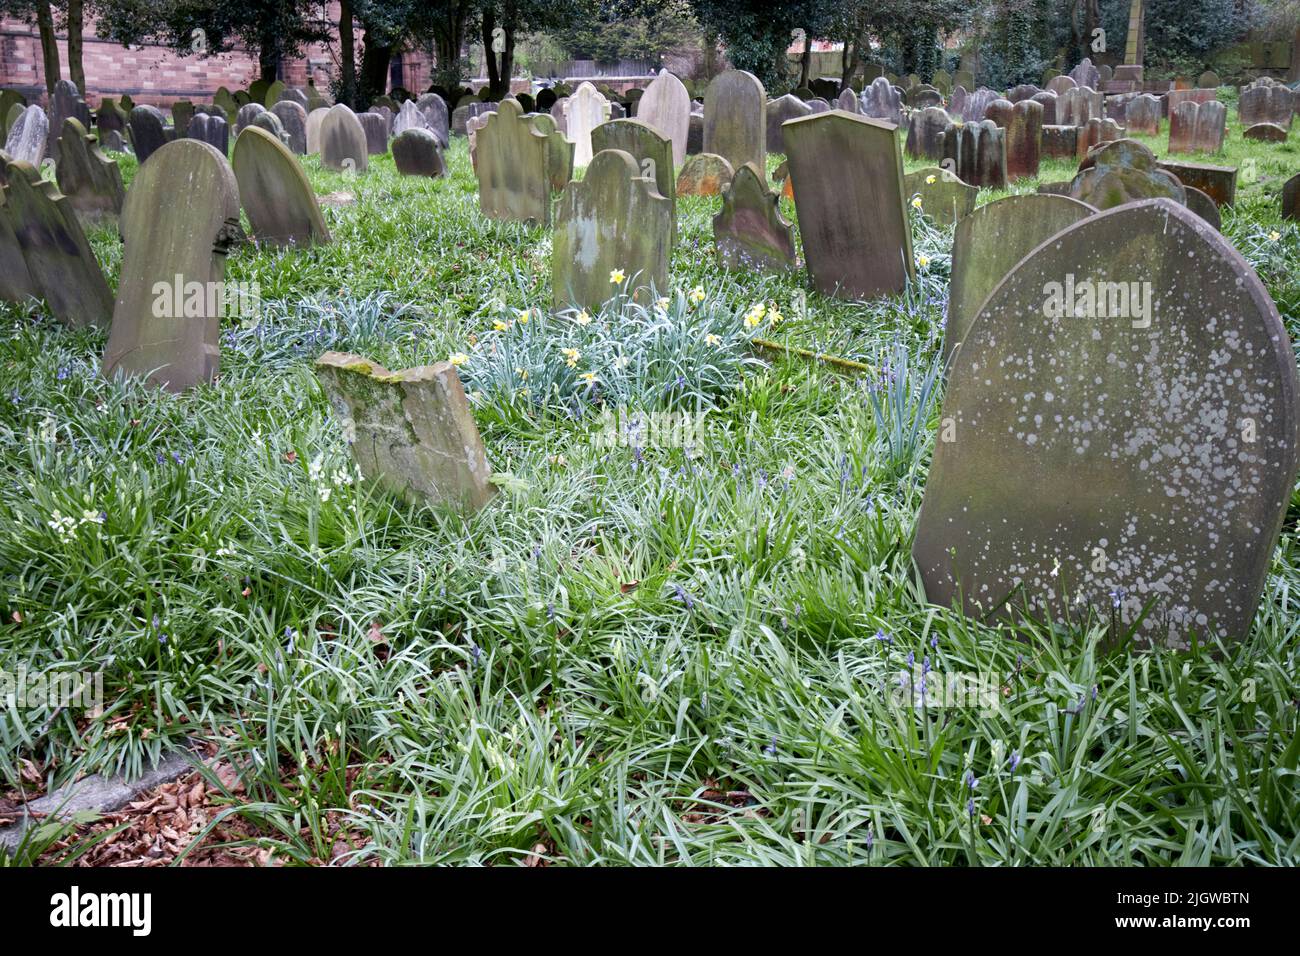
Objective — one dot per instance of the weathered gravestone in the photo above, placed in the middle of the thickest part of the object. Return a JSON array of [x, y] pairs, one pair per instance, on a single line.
[[1060, 142], [1059, 84], [210, 129], [695, 134], [472, 128], [883, 101], [1291, 198], [1197, 127], [1025, 91], [1201, 204], [990, 242], [925, 135], [1208, 80], [148, 131], [585, 110], [436, 117], [1096, 132], [416, 153], [750, 232], [375, 128], [28, 136], [557, 112], [613, 221], [1266, 133], [943, 196], [411, 432], [735, 119], [181, 215], [1219, 182], [520, 161], [314, 120], [1022, 123], [1085, 74], [978, 152], [59, 260], [1266, 104], [704, 175], [274, 191], [1142, 115], [182, 113], [91, 181], [409, 117], [293, 119], [1076, 106], [1048, 102], [924, 96], [65, 103], [343, 141], [848, 101], [778, 111], [973, 106], [847, 172], [270, 123], [652, 153], [247, 113], [16, 283], [1122, 172], [666, 106], [1124, 425], [292, 94]]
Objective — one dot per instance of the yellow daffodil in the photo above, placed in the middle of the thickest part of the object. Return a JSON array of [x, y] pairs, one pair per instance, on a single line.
[[1274, 236], [589, 377], [616, 276], [697, 294], [621, 361], [922, 261], [929, 180], [711, 339], [500, 326], [582, 318], [775, 317], [523, 316], [458, 358], [916, 202], [662, 302], [571, 357]]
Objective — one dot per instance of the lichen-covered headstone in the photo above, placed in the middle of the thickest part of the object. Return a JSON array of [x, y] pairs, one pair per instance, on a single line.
[[704, 175], [978, 152], [182, 113], [343, 141], [750, 232], [180, 216], [58, 257], [28, 136], [651, 151], [778, 111], [16, 283], [148, 131], [847, 172], [666, 106], [210, 129], [1197, 127], [1047, 101], [411, 432], [585, 110], [613, 233], [247, 113], [293, 120], [1122, 433], [409, 117], [275, 192], [91, 181], [270, 123], [520, 160], [942, 195], [416, 153], [989, 243], [925, 135], [735, 119], [1122, 172], [1023, 125]]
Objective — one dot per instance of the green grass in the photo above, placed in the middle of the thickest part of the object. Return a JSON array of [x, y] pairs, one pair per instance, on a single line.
[[637, 653]]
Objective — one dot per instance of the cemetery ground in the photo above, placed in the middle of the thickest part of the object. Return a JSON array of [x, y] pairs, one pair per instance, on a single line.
[[667, 640]]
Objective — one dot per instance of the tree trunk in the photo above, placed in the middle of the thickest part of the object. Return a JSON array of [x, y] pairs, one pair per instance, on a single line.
[[849, 62], [805, 67], [49, 48], [488, 27], [76, 28], [375, 58], [268, 59], [348, 52]]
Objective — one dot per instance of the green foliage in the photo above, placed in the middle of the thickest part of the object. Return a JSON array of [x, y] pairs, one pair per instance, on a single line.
[[611, 30]]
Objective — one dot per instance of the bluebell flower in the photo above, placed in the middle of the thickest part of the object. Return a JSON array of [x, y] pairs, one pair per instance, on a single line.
[[1014, 760]]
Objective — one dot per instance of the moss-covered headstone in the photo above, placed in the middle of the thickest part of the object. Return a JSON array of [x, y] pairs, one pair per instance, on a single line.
[[519, 161], [91, 181], [735, 119], [704, 175], [653, 153], [416, 153], [343, 141], [750, 232]]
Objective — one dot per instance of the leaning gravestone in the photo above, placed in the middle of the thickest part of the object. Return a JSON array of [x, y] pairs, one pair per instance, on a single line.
[[883, 101], [652, 153], [735, 119], [274, 191], [409, 117], [778, 111], [520, 160], [925, 135], [343, 141], [978, 154], [665, 106], [436, 117], [314, 120], [1197, 127], [210, 129], [28, 136], [750, 232], [411, 432], [416, 153], [91, 181], [181, 215], [293, 120], [375, 128], [944, 197], [989, 243], [613, 220], [704, 175], [1124, 431], [58, 257], [148, 131], [585, 110], [16, 283], [847, 172]]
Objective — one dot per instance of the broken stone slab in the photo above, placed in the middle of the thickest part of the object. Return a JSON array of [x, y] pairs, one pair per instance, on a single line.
[[411, 431]]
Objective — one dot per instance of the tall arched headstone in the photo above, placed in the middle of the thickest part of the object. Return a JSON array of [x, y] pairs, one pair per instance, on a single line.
[[735, 119], [652, 152], [274, 191], [520, 160], [666, 106], [585, 110], [148, 131], [343, 141]]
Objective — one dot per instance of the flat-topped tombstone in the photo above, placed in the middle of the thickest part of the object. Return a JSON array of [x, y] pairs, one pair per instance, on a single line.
[[1142, 114], [520, 161], [735, 119], [59, 260], [881, 100], [375, 128], [990, 242], [1197, 127], [210, 129], [612, 221], [847, 172], [1124, 424], [274, 191], [293, 119], [652, 153], [411, 432], [181, 215], [148, 131], [314, 120], [944, 197], [778, 111], [343, 141], [28, 136], [585, 110], [925, 135], [1219, 182], [416, 153], [750, 233], [666, 106], [704, 174], [91, 181]]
